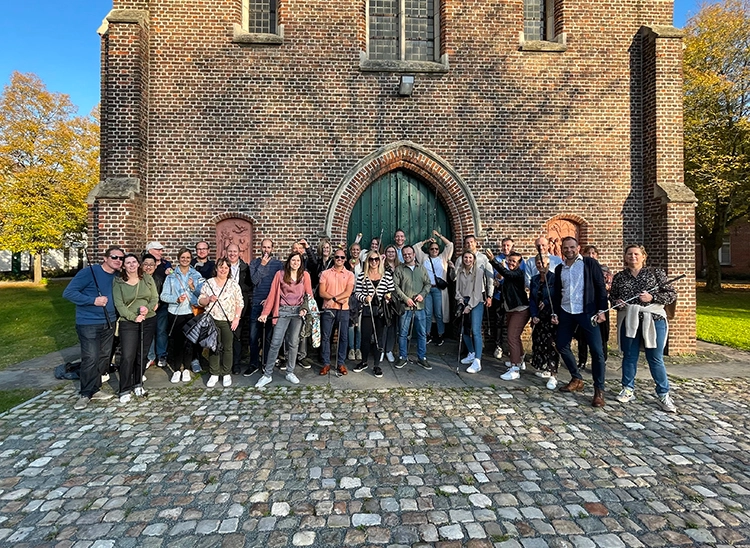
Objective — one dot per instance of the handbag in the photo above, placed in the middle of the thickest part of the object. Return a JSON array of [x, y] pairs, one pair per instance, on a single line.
[[440, 283]]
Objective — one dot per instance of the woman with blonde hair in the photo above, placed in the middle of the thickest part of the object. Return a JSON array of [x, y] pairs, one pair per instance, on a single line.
[[390, 263], [222, 298], [373, 288], [642, 321]]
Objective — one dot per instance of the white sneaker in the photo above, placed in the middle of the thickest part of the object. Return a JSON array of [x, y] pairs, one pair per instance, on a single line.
[[149, 363], [125, 398], [498, 353], [186, 375], [292, 378], [475, 367], [469, 359], [143, 378], [352, 355], [522, 367], [212, 380], [226, 382], [176, 377], [666, 403], [105, 378], [511, 374], [543, 374], [262, 381], [625, 395], [551, 383], [389, 357]]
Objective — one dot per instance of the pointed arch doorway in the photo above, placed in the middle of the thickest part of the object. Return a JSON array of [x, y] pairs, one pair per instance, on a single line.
[[398, 199]]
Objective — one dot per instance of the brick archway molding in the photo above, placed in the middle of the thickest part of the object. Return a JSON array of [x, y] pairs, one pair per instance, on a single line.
[[436, 172]]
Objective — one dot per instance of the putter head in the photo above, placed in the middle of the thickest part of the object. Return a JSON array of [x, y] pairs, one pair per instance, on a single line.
[[593, 320]]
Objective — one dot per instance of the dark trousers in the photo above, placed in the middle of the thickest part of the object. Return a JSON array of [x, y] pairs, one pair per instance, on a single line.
[[96, 345], [182, 348], [368, 347], [220, 363], [497, 322], [258, 330], [328, 320], [132, 360], [583, 348], [565, 329]]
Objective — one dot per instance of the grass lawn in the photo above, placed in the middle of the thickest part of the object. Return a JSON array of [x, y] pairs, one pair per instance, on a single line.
[[11, 398], [34, 320], [725, 319]]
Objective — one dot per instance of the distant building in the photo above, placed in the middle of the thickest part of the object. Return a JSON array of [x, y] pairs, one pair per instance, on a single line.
[[234, 120], [734, 255]]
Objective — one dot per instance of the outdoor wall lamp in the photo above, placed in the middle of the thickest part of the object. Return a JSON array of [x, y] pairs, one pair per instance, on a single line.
[[406, 85]]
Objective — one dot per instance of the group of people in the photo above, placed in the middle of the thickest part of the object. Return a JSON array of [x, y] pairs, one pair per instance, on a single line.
[[372, 302]]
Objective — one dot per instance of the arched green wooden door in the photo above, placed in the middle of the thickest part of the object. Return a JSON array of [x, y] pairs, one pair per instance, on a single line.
[[398, 200]]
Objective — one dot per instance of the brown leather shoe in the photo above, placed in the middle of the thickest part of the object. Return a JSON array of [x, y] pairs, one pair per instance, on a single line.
[[598, 400], [575, 385], [342, 370], [325, 370]]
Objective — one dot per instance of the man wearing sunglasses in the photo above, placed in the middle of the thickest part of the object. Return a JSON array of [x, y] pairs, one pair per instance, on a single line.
[[91, 291], [336, 286]]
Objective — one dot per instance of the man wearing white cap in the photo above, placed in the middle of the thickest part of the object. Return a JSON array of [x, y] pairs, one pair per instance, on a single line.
[[162, 318]]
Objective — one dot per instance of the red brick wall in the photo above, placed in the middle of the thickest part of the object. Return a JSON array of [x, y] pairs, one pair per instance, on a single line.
[[271, 132]]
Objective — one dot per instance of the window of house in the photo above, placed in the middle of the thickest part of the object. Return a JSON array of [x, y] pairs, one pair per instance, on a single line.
[[260, 24], [403, 30], [261, 16], [725, 256], [539, 29]]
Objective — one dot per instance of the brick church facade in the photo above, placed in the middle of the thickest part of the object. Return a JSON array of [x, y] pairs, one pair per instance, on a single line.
[[239, 119]]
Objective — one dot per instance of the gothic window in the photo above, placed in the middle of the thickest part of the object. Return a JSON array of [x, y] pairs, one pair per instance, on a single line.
[[403, 30], [262, 16]]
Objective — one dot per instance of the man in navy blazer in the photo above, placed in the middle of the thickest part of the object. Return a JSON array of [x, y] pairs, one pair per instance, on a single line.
[[580, 294]]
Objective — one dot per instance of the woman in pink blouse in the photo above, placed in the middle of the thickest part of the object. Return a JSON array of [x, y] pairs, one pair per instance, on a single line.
[[284, 303]]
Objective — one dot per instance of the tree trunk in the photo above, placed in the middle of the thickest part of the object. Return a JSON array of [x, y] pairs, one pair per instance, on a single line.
[[37, 268], [713, 268]]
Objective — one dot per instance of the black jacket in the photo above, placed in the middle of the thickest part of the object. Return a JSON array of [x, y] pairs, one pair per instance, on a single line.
[[514, 286], [594, 290]]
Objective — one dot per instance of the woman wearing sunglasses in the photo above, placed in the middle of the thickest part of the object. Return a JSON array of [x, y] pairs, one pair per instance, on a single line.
[[373, 288]]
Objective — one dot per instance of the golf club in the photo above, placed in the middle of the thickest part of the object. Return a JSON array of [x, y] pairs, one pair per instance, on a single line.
[[649, 290]]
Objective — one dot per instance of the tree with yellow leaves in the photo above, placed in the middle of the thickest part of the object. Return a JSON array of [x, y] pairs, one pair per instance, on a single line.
[[49, 161], [717, 125]]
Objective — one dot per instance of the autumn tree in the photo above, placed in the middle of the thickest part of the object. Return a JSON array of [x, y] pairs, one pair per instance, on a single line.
[[49, 161], [717, 127]]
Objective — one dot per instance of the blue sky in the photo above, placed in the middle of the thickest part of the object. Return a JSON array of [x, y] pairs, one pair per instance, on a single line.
[[57, 41]]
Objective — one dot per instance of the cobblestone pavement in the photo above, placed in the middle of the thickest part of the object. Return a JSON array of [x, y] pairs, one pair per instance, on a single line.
[[505, 465]]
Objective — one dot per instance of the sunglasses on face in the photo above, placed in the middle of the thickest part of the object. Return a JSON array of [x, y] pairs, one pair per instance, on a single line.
[[341, 257], [117, 257], [374, 260]]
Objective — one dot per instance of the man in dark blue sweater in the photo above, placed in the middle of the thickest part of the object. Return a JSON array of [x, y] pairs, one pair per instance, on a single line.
[[580, 294], [262, 271], [91, 291]]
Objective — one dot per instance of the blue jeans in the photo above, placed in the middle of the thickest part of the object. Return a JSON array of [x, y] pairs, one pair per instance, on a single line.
[[474, 341], [655, 356], [565, 329], [96, 347], [419, 327], [328, 319], [287, 329], [161, 340], [433, 306]]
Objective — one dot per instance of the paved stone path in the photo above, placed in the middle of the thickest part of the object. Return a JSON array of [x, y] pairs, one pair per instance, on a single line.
[[504, 465]]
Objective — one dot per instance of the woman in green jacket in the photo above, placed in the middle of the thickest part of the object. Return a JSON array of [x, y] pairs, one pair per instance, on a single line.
[[136, 300]]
